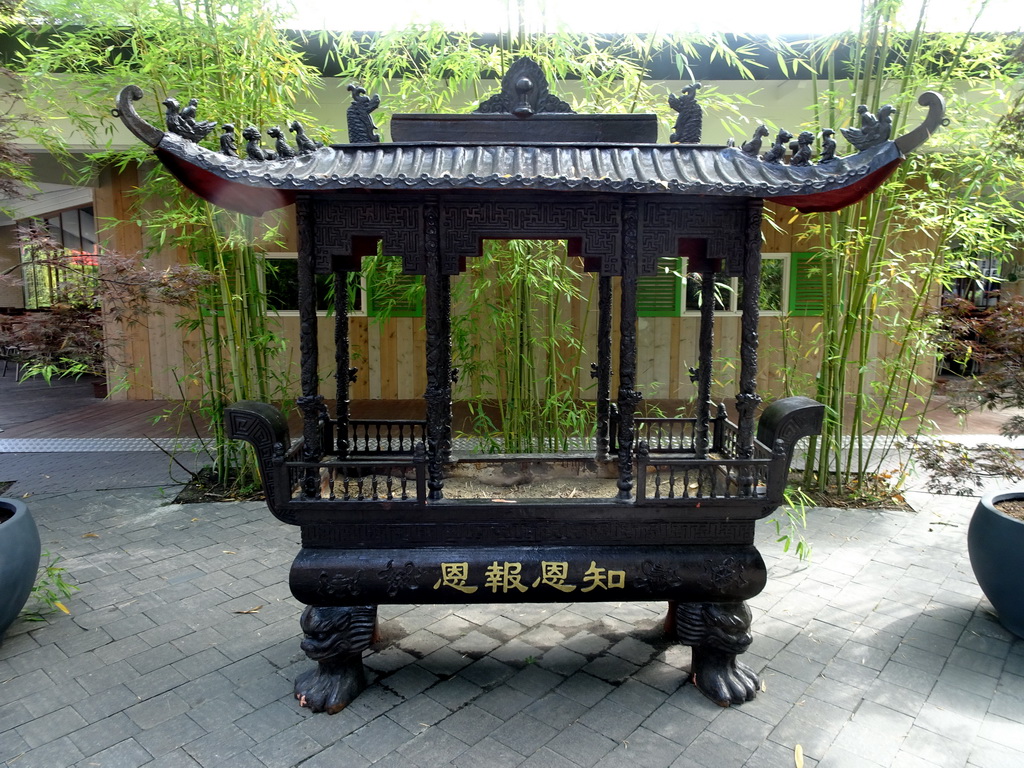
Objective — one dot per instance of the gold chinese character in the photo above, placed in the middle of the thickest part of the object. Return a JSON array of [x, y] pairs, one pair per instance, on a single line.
[[601, 578], [504, 577], [454, 575], [554, 575]]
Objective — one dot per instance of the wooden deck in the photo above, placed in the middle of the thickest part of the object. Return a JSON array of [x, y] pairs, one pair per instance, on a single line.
[[68, 409]]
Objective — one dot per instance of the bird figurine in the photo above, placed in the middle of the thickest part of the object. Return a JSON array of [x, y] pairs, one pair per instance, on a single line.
[[753, 147], [227, 140], [361, 129], [182, 121], [828, 147], [690, 122], [874, 130], [778, 150], [802, 155], [281, 146], [304, 144], [253, 150]]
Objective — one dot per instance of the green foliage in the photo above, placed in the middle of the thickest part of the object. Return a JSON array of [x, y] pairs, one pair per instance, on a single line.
[[50, 590], [513, 342], [244, 71], [790, 521], [881, 263], [425, 68]]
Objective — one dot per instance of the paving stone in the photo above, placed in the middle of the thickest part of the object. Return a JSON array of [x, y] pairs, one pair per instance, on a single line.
[[610, 668], [170, 735], [51, 727], [433, 747], [582, 744], [643, 748], [445, 662], [59, 752], [470, 724], [179, 758], [126, 754], [409, 681], [712, 750], [104, 734], [534, 681], [863, 740], [937, 750], [487, 672], [422, 643], [454, 692], [475, 644], [524, 734], [546, 758], [503, 702], [418, 713], [377, 738], [562, 661], [488, 752], [216, 748], [285, 749], [336, 756], [269, 720]]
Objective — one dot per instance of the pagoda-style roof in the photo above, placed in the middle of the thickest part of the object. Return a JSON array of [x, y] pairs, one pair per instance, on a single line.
[[570, 154]]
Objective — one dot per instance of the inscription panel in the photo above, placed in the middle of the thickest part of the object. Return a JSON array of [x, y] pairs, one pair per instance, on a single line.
[[524, 574]]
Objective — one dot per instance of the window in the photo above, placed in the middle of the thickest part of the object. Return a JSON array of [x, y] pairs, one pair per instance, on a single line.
[[670, 293], [381, 289], [75, 232], [806, 284]]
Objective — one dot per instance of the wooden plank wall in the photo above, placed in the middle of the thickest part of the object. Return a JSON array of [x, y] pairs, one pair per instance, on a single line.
[[390, 355]]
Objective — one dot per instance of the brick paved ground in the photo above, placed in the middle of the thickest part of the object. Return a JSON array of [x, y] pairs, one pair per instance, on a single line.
[[880, 652]]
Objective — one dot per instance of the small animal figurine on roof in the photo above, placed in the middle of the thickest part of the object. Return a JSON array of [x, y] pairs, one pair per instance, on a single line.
[[361, 129], [227, 140], [753, 147], [690, 122], [281, 146], [873, 130], [253, 150], [306, 145], [828, 147], [183, 122], [778, 150]]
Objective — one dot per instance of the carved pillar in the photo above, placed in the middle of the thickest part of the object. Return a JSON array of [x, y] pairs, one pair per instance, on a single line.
[[344, 375], [628, 396], [706, 356], [747, 400], [602, 370], [311, 402], [438, 395]]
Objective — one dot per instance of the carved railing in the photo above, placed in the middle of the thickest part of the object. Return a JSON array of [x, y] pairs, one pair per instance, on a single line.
[[385, 437], [665, 434], [664, 479], [396, 480]]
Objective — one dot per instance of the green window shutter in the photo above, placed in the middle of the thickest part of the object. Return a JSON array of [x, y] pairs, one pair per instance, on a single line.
[[806, 285], [394, 295], [660, 295]]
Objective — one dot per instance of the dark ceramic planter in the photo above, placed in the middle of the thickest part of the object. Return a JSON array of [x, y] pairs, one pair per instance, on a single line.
[[19, 560], [995, 543]]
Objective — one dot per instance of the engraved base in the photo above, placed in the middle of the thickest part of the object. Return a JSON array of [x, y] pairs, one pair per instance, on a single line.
[[335, 638]]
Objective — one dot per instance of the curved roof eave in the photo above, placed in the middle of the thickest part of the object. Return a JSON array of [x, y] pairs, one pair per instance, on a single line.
[[255, 187]]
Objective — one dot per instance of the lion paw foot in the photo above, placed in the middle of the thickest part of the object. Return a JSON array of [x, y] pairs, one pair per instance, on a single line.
[[726, 681]]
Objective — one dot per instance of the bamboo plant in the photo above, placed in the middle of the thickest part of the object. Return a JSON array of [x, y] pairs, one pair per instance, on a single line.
[[883, 263], [244, 71]]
